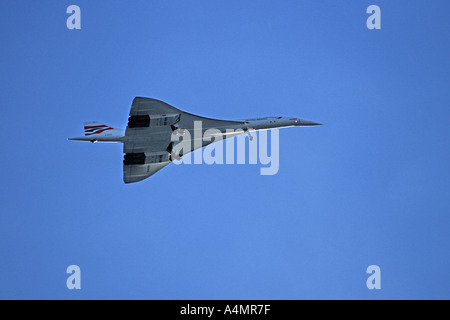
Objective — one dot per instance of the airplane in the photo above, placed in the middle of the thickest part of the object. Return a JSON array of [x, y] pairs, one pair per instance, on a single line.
[[148, 138]]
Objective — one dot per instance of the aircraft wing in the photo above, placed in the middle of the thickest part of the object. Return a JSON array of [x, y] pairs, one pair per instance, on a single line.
[[147, 142]]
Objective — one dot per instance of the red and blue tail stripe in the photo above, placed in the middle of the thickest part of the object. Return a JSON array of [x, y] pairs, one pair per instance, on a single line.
[[90, 130]]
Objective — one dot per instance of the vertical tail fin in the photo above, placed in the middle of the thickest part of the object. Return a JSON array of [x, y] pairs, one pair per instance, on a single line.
[[95, 131], [95, 127]]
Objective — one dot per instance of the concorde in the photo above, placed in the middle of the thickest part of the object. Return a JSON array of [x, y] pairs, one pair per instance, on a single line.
[[148, 141]]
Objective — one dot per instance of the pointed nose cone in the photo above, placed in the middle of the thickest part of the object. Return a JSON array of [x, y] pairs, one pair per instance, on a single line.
[[306, 123]]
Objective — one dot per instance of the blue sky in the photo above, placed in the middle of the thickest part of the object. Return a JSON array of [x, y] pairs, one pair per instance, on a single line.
[[369, 187]]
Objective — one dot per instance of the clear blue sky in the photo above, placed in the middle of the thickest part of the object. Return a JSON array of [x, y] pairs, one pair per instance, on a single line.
[[369, 187]]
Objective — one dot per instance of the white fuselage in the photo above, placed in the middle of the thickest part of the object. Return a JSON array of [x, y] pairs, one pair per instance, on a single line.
[[254, 124]]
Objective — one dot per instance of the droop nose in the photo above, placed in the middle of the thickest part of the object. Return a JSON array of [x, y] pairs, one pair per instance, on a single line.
[[306, 123]]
